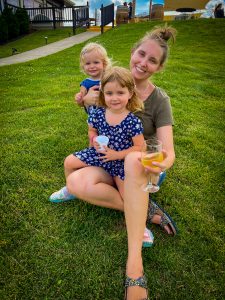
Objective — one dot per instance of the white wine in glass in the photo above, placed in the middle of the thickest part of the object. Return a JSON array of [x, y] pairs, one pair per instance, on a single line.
[[151, 151]]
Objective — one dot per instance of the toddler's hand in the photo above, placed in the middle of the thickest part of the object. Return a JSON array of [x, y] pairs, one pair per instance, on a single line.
[[79, 99]]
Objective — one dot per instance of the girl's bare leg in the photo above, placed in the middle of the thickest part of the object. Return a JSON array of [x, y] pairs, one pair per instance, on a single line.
[[135, 207], [94, 185], [71, 164]]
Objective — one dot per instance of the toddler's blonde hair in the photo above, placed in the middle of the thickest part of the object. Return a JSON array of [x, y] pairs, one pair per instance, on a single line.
[[98, 49], [125, 79]]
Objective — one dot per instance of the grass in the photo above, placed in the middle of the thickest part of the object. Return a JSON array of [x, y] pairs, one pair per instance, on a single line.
[[37, 39], [75, 250]]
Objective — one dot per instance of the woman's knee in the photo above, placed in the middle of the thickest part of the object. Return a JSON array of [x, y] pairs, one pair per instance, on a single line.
[[132, 164], [75, 183], [83, 181]]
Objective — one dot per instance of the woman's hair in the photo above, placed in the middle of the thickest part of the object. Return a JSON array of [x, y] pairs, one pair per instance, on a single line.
[[161, 35], [125, 79], [95, 47]]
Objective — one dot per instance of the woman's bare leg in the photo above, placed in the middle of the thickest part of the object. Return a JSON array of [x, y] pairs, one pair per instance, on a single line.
[[135, 207], [94, 185]]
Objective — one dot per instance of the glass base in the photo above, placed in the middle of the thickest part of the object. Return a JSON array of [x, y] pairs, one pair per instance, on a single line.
[[150, 188]]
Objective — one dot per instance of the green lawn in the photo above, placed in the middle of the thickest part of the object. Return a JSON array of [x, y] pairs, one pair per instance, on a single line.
[[78, 251], [37, 39]]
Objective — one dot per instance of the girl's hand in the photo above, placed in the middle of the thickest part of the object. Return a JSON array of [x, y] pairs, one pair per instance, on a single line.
[[109, 154], [160, 166], [79, 99]]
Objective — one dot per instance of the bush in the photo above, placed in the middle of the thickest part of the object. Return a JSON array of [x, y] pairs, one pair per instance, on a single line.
[[3, 30], [11, 20], [23, 20]]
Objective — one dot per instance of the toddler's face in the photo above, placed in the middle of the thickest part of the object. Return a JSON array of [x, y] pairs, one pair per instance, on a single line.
[[93, 65]]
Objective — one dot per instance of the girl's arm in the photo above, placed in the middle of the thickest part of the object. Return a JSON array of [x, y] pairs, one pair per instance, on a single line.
[[92, 133], [111, 154], [79, 97]]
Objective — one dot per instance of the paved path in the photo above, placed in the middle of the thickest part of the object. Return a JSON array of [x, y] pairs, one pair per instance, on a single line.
[[48, 49]]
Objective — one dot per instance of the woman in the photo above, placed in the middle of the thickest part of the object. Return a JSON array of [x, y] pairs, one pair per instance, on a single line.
[[96, 186]]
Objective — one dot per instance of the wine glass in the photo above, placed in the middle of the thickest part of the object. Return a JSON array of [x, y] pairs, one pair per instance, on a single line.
[[151, 151]]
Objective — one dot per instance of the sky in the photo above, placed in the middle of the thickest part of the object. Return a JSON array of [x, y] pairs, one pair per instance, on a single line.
[[142, 6]]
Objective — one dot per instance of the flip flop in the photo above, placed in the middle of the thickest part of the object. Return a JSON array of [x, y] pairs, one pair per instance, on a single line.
[[166, 219]]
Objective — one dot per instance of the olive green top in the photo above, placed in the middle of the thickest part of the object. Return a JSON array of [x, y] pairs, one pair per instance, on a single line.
[[157, 112]]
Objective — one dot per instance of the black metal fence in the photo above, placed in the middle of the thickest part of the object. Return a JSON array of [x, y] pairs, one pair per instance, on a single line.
[[107, 16], [55, 16], [77, 16]]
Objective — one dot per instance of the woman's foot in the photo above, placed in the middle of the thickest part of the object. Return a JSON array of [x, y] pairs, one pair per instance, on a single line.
[[136, 288], [157, 215], [61, 196]]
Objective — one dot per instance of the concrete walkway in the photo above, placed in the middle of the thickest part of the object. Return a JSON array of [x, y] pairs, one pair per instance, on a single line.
[[48, 49]]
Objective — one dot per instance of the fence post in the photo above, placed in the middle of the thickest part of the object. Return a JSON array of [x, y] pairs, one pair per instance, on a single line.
[[102, 27], [53, 15], [113, 17], [87, 16], [74, 21]]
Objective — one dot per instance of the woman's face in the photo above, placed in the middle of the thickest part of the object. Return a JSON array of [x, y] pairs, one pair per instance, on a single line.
[[145, 60]]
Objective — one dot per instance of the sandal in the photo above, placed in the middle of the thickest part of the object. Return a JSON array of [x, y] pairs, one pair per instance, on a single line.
[[141, 281], [166, 220]]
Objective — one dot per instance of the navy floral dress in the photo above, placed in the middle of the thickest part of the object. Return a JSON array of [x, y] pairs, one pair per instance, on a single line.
[[120, 138]]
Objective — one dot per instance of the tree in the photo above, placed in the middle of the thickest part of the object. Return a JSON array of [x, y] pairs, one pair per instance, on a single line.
[[23, 20]]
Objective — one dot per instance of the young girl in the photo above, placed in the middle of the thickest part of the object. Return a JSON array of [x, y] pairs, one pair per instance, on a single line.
[[93, 62], [113, 118]]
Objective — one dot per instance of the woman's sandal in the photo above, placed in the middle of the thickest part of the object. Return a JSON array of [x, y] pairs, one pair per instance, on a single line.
[[166, 220], [141, 281]]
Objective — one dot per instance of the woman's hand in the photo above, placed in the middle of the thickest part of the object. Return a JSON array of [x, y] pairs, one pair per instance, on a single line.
[[160, 166], [92, 96]]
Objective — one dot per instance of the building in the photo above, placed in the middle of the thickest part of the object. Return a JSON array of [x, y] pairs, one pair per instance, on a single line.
[[171, 5], [36, 3]]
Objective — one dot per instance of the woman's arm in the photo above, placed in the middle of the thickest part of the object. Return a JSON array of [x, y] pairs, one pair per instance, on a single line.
[[165, 135]]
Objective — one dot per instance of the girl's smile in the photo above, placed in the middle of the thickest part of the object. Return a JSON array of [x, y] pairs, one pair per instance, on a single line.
[[116, 96], [93, 65]]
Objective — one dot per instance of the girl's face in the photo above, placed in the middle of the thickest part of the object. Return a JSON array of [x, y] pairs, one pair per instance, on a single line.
[[93, 64], [116, 96], [145, 60]]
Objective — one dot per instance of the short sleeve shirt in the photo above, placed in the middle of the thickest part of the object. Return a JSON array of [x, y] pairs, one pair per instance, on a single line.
[[157, 112]]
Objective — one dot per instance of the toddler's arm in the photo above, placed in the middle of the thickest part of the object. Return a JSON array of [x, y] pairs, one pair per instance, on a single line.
[[79, 96]]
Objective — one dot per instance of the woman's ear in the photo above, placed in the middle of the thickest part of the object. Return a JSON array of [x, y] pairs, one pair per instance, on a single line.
[[160, 68]]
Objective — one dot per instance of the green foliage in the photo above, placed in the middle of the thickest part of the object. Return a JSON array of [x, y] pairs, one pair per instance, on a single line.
[[12, 22], [77, 251], [3, 29], [23, 20], [37, 39]]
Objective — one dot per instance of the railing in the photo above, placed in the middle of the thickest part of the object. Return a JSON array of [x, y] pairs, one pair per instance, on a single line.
[[107, 16], [77, 15]]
